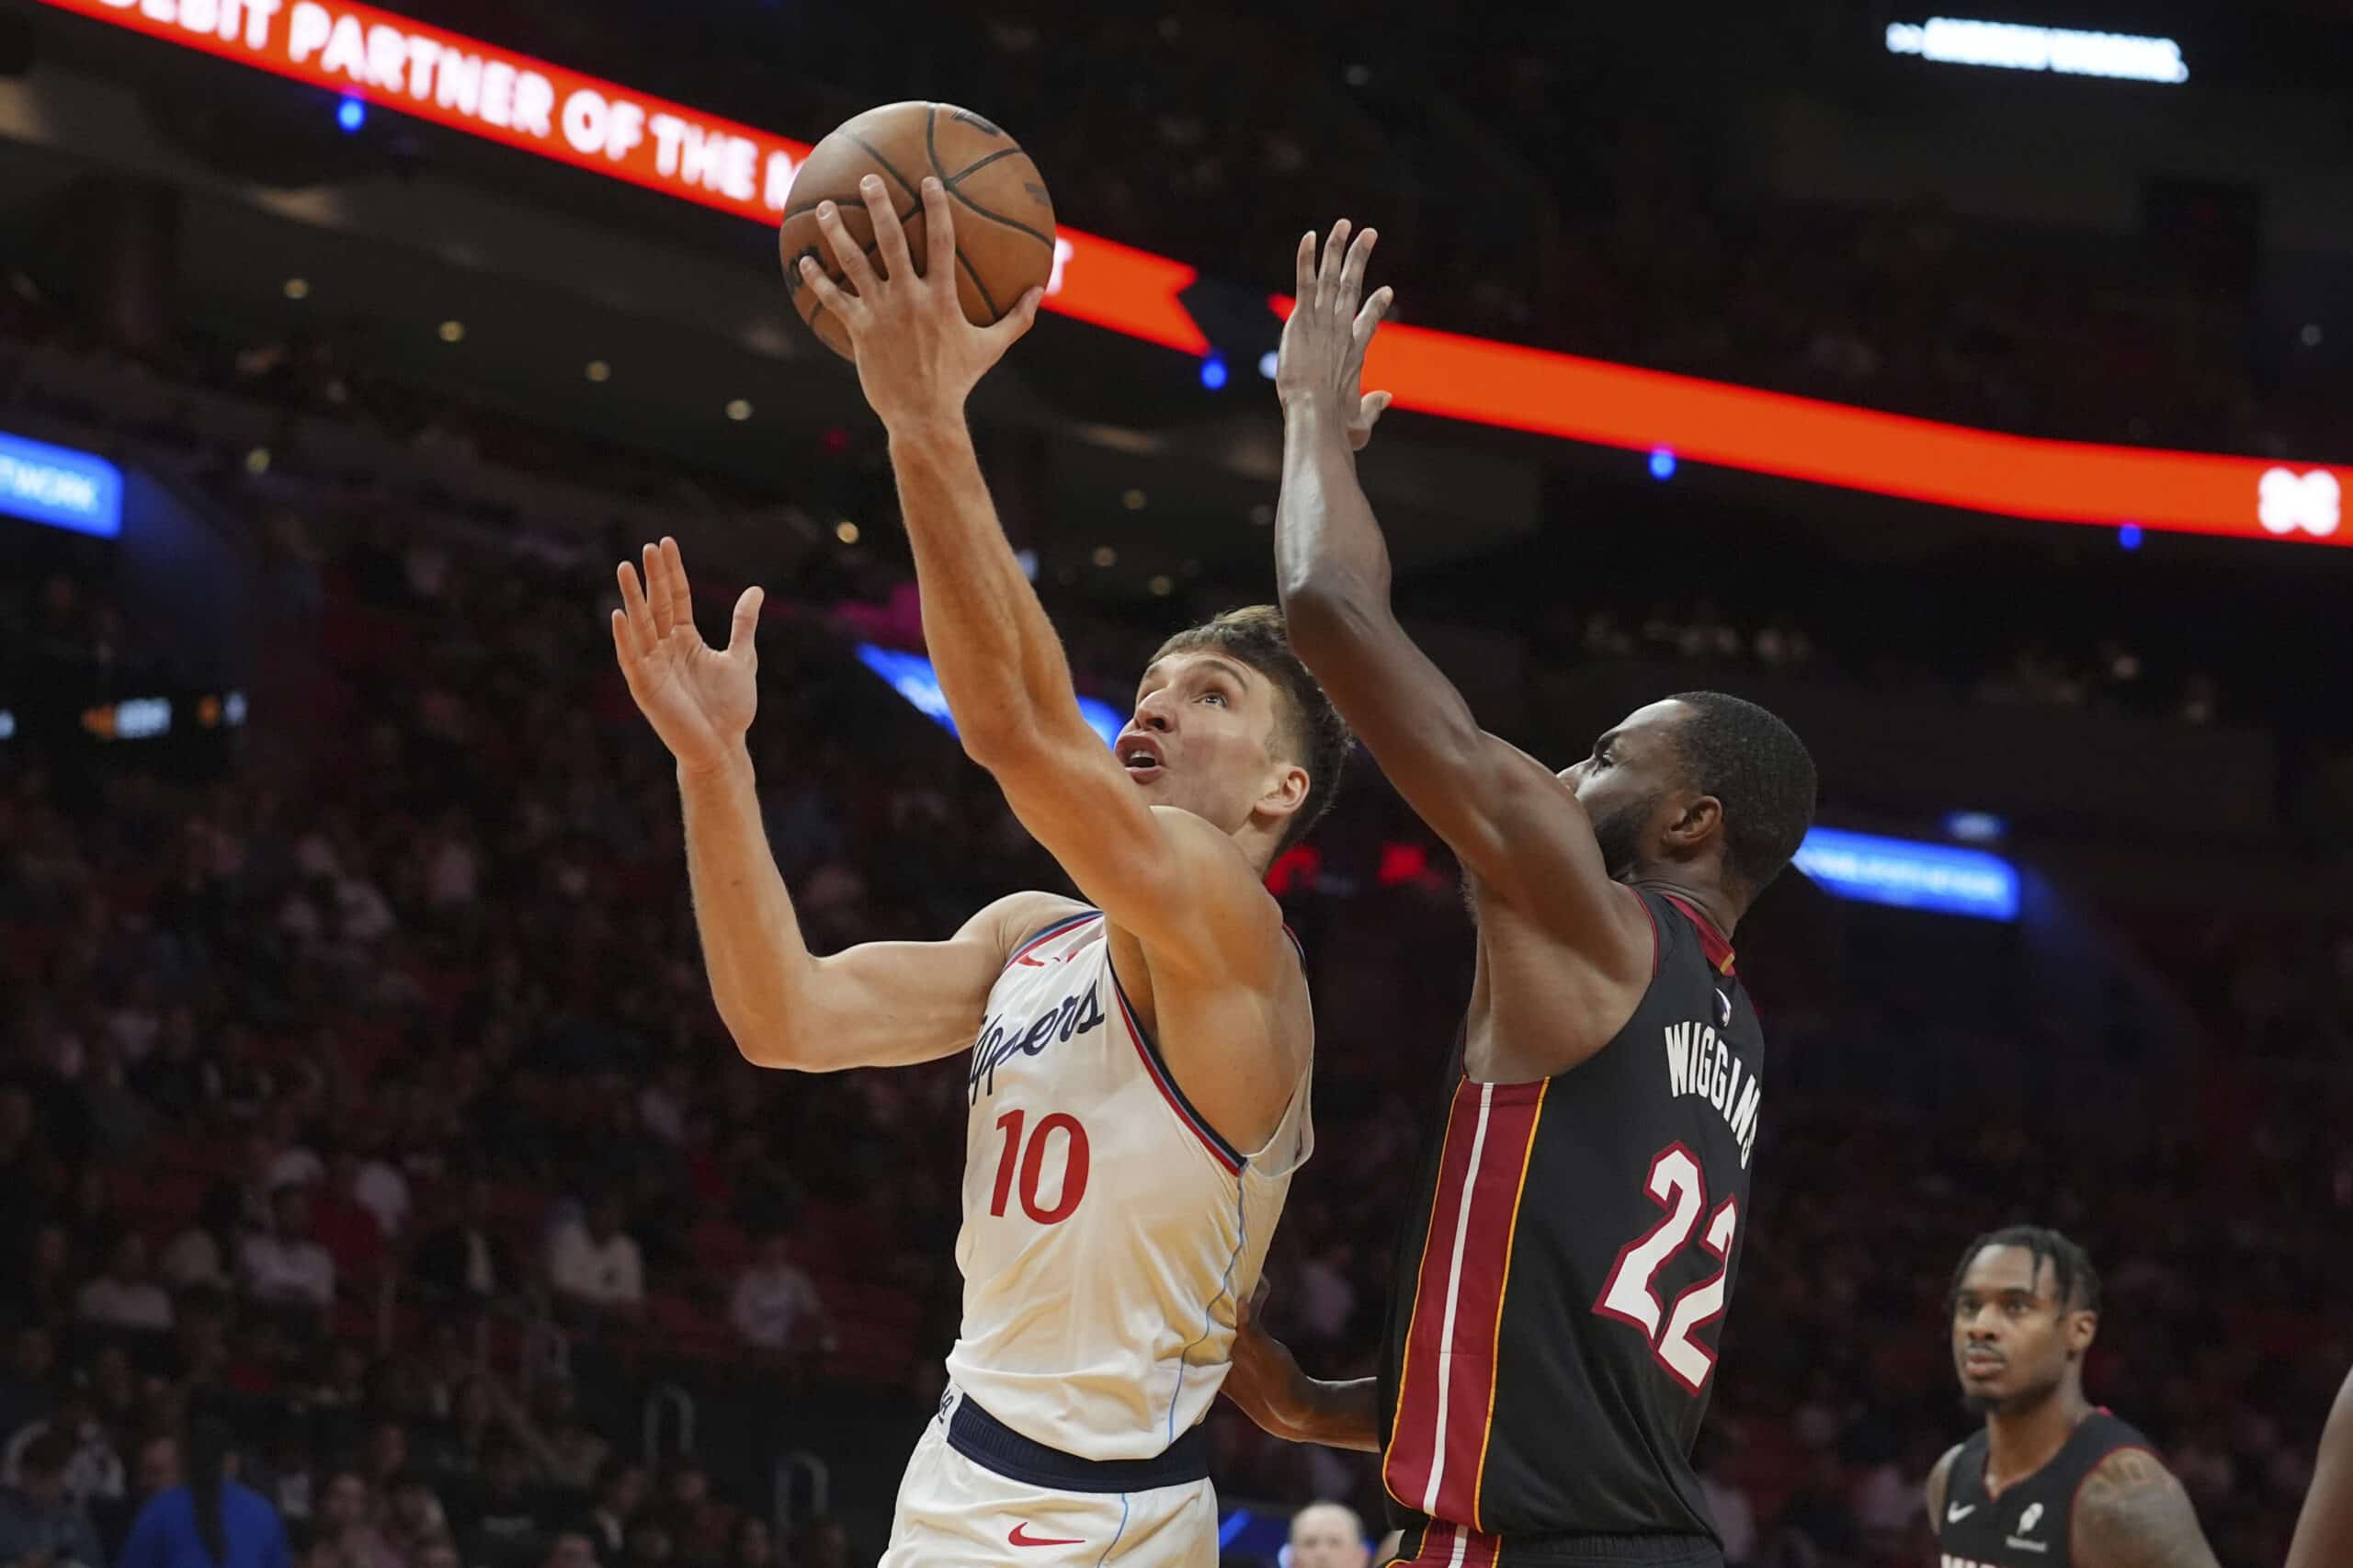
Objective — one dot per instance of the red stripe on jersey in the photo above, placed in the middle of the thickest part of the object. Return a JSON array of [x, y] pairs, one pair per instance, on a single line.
[[1048, 934], [1446, 1396], [1712, 941]]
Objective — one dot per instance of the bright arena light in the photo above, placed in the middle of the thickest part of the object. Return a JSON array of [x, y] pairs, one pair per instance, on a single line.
[[2012, 46]]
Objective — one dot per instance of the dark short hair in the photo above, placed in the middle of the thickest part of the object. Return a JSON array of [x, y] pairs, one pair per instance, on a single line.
[[1314, 735], [2071, 1273], [1760, 772]]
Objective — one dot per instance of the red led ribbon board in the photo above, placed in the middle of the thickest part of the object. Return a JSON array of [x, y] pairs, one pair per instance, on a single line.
[[609, 129]]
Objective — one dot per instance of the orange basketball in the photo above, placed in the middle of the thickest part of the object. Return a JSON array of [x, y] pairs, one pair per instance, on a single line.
[[1004, 220]]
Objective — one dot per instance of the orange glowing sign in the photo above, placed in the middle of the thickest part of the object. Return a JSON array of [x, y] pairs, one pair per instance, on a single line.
[[596, 125]]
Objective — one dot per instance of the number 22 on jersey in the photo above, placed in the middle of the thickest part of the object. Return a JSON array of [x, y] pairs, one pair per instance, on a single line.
[[1030, 1163], [1676, 1185]]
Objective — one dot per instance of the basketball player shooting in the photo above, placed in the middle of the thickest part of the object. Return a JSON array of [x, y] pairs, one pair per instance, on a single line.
[[2050, 1481], [1577, 1229], [1139, 1063]]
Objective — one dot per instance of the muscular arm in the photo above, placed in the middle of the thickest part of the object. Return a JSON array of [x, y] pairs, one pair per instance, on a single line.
[[1940, 1483], [2132, 1513], [1264, 1380], [1177, 883], [882, 1003], [1515, 825], [2324, 1533]]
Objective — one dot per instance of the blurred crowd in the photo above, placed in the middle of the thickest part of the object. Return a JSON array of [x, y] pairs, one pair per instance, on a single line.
[[368, 1098]]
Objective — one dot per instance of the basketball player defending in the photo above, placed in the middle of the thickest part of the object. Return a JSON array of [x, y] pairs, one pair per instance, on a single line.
[[2324, 1533], [1139, 1063], [2052, 1481], [1578, 1224]]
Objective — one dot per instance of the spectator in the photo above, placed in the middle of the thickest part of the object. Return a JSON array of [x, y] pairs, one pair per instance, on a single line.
[[506, 1516], [436, 1551], [212, 1521], [126, 1295], [416, 1517], [283, 1266], [201, 1254], [597, 1266], [775, 1304], [620, 1491], [571, 1548], [463, 1260], [41, 1524], [346, 1517], [651, 1544], [24, 1390], [91, 1467], [754, 1544], [159, 1466], [1329, 1535]]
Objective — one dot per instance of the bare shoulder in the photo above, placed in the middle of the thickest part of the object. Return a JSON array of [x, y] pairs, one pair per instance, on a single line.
[[2133, 1513], [1228, 893], [1017, 917], [1940, 1481]]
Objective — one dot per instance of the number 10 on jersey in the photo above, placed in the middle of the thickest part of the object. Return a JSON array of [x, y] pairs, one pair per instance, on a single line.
[[1030, 1164]]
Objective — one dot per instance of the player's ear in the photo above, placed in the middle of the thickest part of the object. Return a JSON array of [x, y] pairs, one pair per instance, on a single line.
[[1698, 818], [1287, 787], [2082, 1328]]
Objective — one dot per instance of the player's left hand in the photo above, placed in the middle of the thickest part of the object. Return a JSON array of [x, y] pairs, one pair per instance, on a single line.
[[1321, 365], [918, 358]]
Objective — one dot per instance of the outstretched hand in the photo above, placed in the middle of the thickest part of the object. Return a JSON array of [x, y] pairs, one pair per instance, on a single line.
[[918, 357], [699, 698], [1321, 365]]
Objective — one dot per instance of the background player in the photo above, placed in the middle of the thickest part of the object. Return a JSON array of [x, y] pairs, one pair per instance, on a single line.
[[1578, 1229], [2050, 1481], [1138, 1087]]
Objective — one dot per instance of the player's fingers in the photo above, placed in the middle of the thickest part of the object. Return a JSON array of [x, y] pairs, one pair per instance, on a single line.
[[674, 573], [1303, 272], [745, 625], [831, 296], [640, 615], [856, 270], [1327, 275], [1011, 327], [938, 236], [1370, 316], [890, 239], [658, 597], [624, 649], [1352, 268]]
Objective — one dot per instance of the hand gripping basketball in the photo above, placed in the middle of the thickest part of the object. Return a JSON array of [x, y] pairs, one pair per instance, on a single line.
[[1321, 368], [918, 357]]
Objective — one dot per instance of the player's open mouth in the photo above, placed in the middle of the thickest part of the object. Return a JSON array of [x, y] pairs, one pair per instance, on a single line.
[[1141, 758]]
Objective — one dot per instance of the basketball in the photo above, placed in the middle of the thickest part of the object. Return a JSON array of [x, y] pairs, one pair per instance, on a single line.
[[1004, 220]]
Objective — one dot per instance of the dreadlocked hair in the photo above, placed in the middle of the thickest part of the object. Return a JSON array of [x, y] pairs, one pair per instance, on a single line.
[[2071, 1273]]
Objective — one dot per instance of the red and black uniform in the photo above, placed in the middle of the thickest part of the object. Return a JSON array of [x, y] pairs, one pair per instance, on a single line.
[[2030, 1525], [1561, 1278]]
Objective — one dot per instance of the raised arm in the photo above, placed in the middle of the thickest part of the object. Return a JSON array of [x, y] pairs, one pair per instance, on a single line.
[[1179, 885], [1512, 821], [878, 1005], [2324, 1533]]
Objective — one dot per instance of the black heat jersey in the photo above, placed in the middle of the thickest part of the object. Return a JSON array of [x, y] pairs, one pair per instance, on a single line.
[[1564, 1269], [2027, 1525]]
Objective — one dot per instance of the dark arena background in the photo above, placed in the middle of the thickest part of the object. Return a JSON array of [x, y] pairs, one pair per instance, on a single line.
[[1976, 393]]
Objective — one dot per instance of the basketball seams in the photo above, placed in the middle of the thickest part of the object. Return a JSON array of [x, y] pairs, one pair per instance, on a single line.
[[975, 166], [948, 183]]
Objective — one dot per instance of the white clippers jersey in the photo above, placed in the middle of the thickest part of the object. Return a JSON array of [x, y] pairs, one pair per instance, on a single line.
[[1108, 1232]]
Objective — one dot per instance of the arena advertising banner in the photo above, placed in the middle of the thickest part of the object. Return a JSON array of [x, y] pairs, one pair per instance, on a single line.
[[599, 125], [80, 492]]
